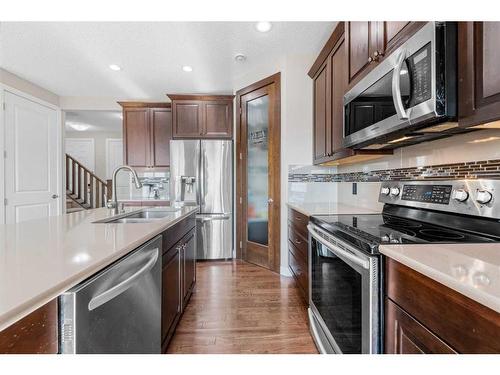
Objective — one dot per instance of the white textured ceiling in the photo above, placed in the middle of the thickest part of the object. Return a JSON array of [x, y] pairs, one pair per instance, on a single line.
[[72, 58], [100, 121]]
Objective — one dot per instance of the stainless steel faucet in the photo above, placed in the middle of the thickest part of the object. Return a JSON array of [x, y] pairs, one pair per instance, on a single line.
[[113, 202]]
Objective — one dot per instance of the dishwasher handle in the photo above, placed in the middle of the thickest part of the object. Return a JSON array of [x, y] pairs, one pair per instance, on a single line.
[[121, 287]]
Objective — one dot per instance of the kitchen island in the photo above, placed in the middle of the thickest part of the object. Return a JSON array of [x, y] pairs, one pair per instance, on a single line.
[[40, 259]]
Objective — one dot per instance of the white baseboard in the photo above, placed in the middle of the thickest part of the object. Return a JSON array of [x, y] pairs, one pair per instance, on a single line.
[[285, 271]]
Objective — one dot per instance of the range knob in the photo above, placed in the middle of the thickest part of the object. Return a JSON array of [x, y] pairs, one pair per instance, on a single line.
[[385, 191], [395, 191], [460, 195], [483, 197]]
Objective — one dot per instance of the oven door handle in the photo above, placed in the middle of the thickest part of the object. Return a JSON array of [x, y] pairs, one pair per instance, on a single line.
[[365, 263], [396, 87]]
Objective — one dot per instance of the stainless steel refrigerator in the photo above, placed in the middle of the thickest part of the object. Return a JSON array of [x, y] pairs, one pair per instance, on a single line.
[[201, 173]]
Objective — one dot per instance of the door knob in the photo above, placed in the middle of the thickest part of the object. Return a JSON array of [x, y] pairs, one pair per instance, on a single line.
[[55, 196], [270, 200]]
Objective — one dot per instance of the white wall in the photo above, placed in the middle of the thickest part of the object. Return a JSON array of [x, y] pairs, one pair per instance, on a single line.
[[99, 147], [27, 87], [296, 122]]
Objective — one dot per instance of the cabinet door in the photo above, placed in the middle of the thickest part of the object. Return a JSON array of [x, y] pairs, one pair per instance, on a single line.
[[218, 119], [339, 85], [321, 112], [187, 119], [362, 41], [136, 133], [404, 335], [479, 72], [171, 290], [390, 30], [189, 264], [161, 134]]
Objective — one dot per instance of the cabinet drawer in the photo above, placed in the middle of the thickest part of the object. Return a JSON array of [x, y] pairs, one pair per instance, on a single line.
[[465, 325], [299, 242], [299, 220]]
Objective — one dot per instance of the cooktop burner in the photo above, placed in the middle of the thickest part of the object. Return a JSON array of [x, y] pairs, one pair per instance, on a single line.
[[370, 230]]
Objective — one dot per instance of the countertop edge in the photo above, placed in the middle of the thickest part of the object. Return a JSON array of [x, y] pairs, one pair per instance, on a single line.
[[23, 310], [474, 294], [293, 206]]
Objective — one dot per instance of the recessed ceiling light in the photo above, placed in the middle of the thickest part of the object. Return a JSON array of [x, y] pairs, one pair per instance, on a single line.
[[115, 67], [240, 57], [263, 26], [187, 68]]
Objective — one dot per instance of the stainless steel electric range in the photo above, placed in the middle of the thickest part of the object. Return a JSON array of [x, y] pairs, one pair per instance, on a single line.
[[345, 269]]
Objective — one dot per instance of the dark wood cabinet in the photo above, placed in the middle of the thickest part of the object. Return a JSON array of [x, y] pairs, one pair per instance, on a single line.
[[330, 74], [424, 315], [189, 277], [478, 72], [298, 258], [178, 274], [147, 131], [368, 42], [321, 118], [202, 116], [37, 333], [171, 290], [404, 335]]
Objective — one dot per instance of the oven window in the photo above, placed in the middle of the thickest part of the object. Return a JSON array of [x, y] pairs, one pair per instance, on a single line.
[[336, 294], [376, 103]]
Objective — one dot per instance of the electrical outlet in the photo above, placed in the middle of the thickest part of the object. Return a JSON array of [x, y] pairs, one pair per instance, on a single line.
[[354, 188]]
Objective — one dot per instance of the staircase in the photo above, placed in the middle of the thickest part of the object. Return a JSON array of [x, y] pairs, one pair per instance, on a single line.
[[84, 190]]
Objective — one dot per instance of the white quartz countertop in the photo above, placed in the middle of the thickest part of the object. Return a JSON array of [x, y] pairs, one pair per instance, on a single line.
[[470, 269], [330, 208], [40, 259]]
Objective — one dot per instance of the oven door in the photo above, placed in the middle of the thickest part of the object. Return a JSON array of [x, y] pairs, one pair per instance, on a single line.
[[344, 296], [397, 94]]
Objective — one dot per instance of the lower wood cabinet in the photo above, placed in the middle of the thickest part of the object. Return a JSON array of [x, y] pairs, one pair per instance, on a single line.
[[404, 335], [424, 316], [36, 333], [178, 275], [298, 249]]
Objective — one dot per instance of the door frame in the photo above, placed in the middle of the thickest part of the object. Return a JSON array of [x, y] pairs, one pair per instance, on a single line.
[[60, 146], [107, 142], [275, 168]]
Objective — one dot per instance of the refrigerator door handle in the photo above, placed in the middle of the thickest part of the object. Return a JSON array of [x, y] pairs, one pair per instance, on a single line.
[[213, 217], [201, 182], [121, 287]]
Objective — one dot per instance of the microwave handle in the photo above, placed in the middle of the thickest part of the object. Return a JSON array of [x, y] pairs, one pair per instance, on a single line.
[[396, 87]]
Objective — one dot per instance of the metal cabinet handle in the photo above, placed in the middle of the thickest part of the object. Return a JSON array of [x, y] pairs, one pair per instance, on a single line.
[[270, 201], [121, 287], [370, 59], [55, 196]]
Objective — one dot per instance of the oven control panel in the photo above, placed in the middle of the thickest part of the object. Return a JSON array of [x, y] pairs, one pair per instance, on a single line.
[[439, 194], [474, 197]]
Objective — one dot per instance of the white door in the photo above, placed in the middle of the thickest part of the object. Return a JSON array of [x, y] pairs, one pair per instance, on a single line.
[[114, 158], [82, 150], [32, 167]]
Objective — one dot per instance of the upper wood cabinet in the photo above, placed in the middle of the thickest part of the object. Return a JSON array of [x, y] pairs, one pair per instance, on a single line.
[[478, 72], [147, 131], [330, 80], [368, 42], [202, 116]]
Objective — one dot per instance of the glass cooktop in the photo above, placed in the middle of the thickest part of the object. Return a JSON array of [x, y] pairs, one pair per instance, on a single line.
[[370, 230]]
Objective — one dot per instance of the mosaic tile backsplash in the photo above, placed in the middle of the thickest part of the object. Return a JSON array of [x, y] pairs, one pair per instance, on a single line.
[[467, 170]]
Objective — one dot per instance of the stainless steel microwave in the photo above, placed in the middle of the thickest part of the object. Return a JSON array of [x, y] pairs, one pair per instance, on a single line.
[[416, 85]]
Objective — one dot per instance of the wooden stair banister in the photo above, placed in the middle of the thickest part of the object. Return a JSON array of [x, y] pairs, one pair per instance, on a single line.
[[84, 187]]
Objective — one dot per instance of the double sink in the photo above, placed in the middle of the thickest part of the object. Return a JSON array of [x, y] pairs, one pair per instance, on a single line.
[[144, 216]]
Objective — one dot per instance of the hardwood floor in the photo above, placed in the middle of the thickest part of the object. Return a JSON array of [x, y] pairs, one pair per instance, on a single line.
[[241, 308]]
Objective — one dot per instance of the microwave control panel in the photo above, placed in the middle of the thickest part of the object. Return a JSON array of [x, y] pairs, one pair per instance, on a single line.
[[419, 65]]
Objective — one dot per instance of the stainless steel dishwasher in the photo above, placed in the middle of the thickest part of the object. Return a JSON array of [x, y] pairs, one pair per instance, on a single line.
[[118, 310]]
